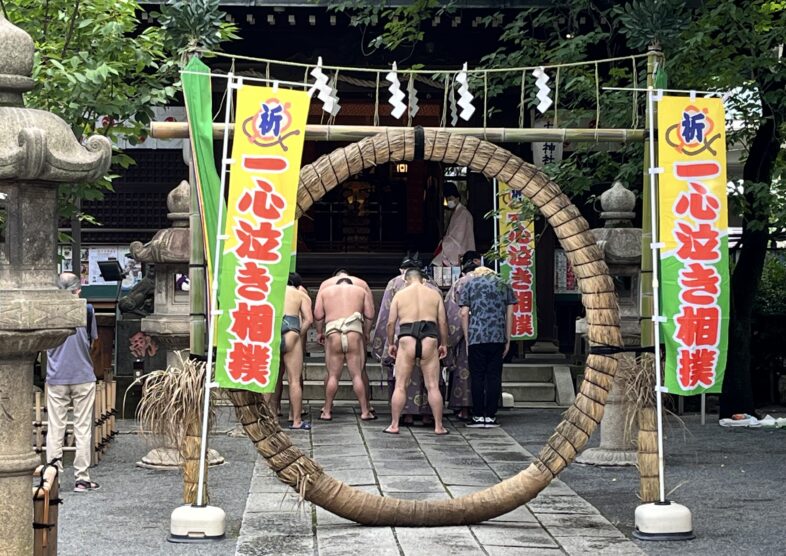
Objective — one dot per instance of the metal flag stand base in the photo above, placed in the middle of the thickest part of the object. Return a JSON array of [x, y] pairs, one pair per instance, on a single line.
[[196, 524], [663, 521]]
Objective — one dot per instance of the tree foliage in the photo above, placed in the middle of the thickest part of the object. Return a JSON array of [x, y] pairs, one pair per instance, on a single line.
[[391, 28], [103, 70]]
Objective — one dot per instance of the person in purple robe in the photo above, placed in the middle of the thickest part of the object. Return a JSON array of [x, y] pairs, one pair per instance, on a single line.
[[459, 392], [417, 395]]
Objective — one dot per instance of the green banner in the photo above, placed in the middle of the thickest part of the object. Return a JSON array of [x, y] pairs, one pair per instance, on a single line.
[[259, 231], [518, 265], [693, 234], [199, 108]]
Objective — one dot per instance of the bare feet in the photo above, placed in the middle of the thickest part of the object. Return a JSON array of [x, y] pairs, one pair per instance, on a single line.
[[392, 429], [368, 416], [325, 416], [441, 431]]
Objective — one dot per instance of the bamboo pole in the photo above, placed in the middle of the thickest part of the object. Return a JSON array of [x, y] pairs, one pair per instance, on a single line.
[[649, 486], [351, 133], [196, 273]]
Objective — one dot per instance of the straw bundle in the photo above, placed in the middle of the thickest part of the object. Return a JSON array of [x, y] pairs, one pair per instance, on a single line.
[[170, 410], [580, 420], [640, 394]]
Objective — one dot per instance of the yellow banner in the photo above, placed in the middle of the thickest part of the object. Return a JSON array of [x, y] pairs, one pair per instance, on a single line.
[[693, 230], [255, 261], [518, 261]]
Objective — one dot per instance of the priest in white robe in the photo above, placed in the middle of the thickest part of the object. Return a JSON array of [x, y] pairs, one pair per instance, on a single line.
[[460, 235]]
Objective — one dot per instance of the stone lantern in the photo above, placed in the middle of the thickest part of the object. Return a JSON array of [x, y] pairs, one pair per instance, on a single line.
[[170, 251], [38, 150], [621, 246]]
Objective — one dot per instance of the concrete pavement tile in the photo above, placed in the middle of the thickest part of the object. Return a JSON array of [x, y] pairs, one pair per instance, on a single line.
[[337, 439], [514, 551], [285, 502], [467, 476], [355, 477], [335, 463], [580, 546], [356, 449], [391, 484], [549, 504], [380, 440], [415, 541], [505, 456], [275, 533], [558, 488], [268, 485], [513, 534], [576, 525], [403, 467], [484, 433], [460, 459], [356, 540], [380, 454], [508, 469]]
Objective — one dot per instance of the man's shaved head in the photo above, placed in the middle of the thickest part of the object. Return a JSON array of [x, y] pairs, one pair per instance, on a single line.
[[340, 272], [413, 275]]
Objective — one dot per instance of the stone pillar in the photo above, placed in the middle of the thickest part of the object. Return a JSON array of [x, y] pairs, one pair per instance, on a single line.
[[621, 245], [38, 151]]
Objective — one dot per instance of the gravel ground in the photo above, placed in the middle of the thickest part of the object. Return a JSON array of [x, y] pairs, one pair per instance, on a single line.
[[732, 480]]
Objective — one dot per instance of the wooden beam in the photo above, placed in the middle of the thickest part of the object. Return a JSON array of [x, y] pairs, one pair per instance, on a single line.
[[351, 133]]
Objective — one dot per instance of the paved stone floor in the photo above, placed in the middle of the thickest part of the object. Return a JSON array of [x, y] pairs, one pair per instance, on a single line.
[[418, 464]]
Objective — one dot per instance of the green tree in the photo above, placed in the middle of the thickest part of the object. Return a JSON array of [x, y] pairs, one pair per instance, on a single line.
[[96, 60], [722, 45], [736, 47]]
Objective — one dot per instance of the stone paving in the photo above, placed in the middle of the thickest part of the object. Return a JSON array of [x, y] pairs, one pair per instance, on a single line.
[[418, 464]]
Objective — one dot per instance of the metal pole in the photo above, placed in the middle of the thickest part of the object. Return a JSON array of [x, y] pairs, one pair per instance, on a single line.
[[656, 318], [213, 300]]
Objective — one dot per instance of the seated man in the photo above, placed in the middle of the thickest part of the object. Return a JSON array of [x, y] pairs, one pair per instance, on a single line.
[[340, 312], [295, 323], [422, 338]]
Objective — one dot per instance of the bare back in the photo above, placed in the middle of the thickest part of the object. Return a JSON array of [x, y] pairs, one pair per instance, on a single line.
[[340, 301], [417, 302], [293, 301], [355, 282]]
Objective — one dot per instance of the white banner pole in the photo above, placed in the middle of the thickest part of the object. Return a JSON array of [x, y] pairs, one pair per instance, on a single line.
[[231, 85], [655, 250]]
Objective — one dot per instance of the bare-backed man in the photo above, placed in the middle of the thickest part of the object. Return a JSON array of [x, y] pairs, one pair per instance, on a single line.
[[294, 327], [369, 322], [341, 313], [423, 334]]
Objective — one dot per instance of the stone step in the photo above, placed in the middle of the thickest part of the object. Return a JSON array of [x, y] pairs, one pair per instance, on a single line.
[[513, 372], [531, 391], [522, 392]]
